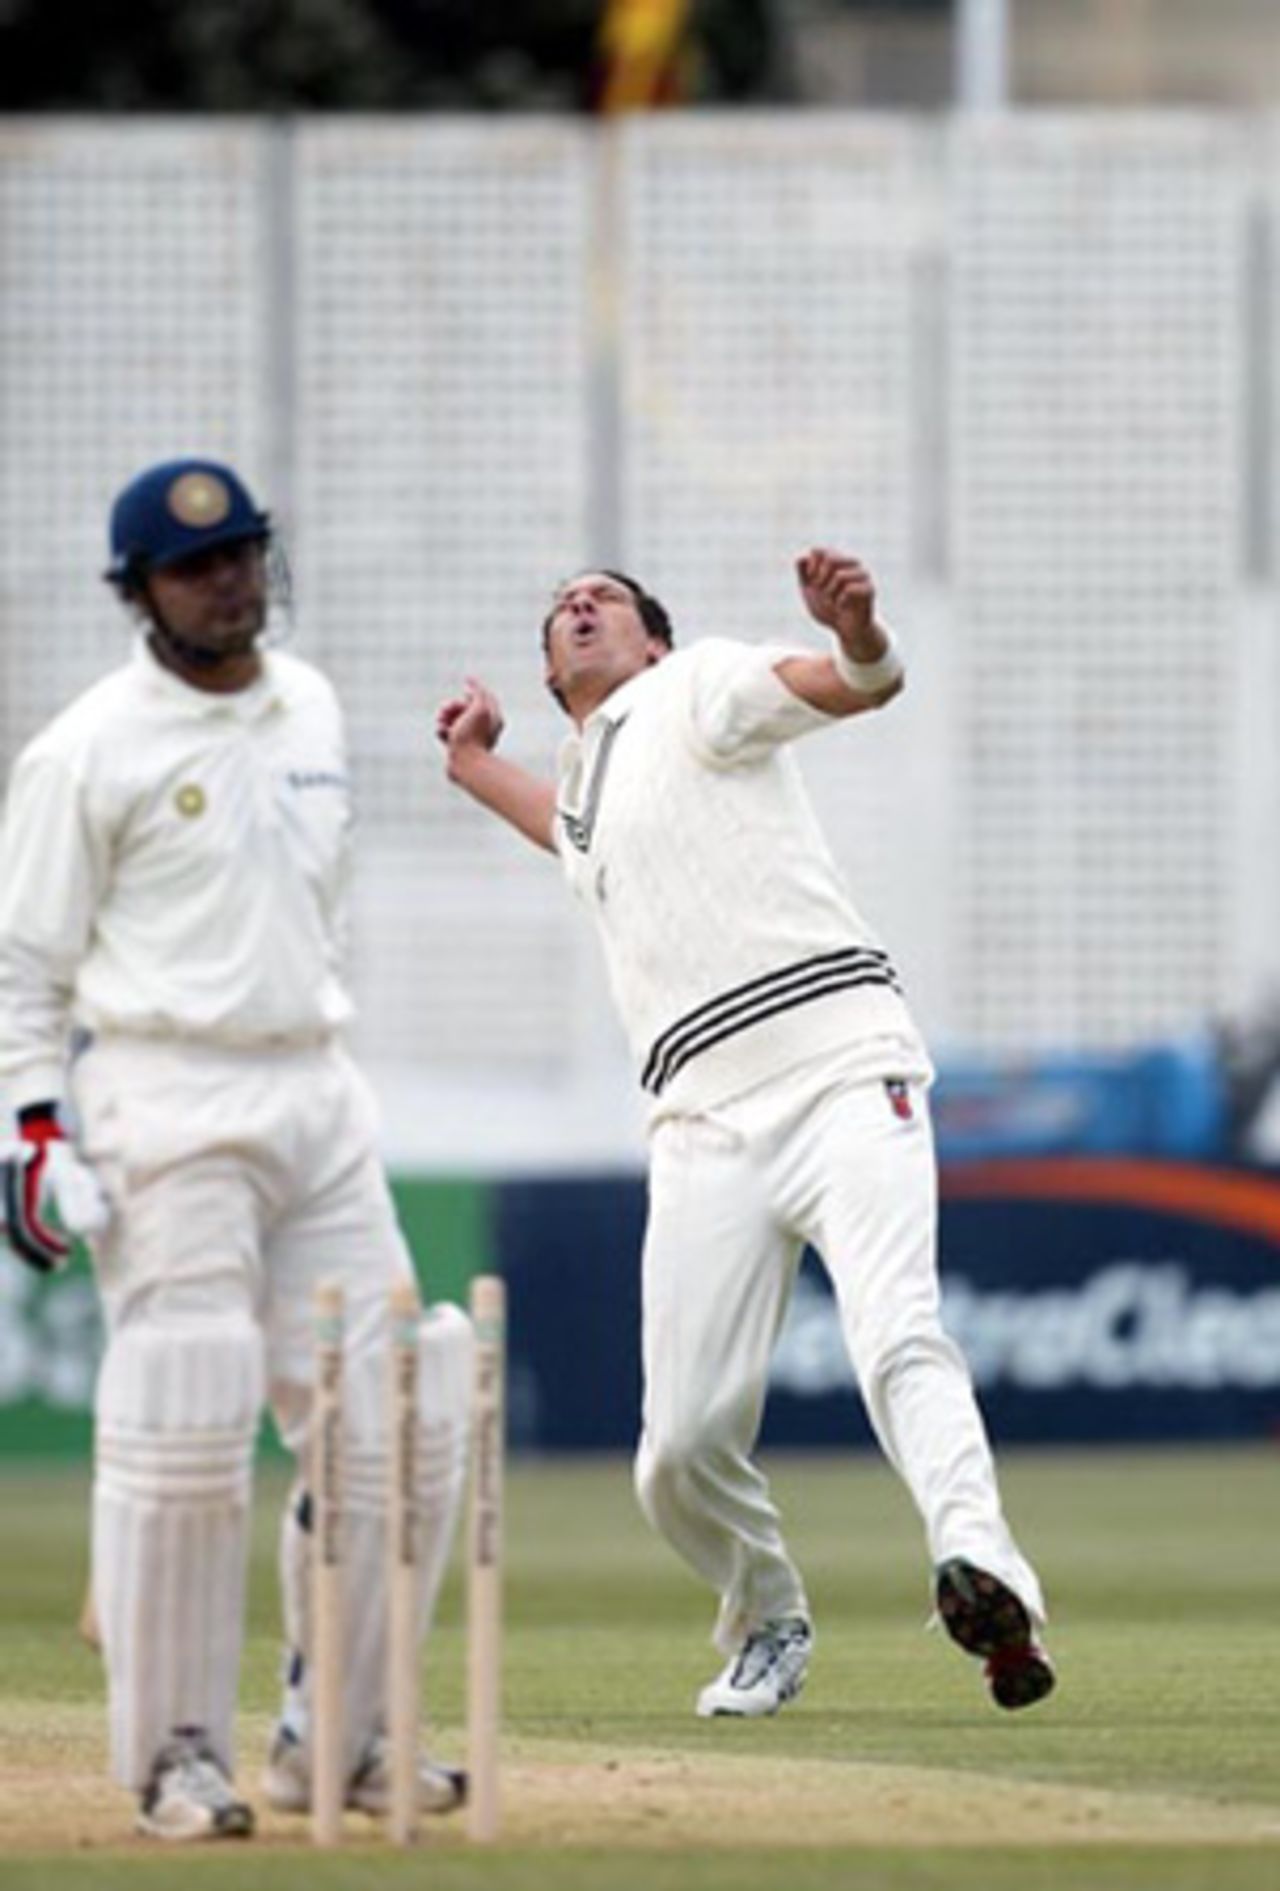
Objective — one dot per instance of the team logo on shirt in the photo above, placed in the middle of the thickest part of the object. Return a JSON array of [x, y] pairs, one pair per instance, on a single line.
[[899, 1095], [199, 499], [316, 778], [189, 800]]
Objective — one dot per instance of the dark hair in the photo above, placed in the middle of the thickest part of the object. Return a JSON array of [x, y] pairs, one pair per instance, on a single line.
[[653, 615]]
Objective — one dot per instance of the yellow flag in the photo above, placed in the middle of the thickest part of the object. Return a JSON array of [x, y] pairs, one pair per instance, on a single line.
[[641, 43]]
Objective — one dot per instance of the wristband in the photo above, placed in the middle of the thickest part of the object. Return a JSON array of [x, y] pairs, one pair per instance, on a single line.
[[868, 679]]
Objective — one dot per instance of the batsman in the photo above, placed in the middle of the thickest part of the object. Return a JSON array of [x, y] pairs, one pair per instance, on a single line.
[[173, 877], [789, 1097]]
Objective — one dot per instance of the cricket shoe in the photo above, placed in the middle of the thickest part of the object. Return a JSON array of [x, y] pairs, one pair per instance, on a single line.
[[768, 1671], [286, 1783], [189, 1794], [986, 1619]]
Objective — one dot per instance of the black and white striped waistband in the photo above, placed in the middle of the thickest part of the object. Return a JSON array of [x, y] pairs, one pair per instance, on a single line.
[[761, 998]]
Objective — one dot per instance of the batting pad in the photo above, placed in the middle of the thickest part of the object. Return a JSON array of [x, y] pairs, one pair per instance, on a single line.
[[444, 1386], [177, 1413]]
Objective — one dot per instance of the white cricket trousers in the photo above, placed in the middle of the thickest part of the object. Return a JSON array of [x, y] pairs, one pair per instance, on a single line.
[[735, 1194], [238, 1179]]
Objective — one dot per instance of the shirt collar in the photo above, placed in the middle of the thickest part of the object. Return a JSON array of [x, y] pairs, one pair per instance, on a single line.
[[615, 707], [265, 694], [619, 702]]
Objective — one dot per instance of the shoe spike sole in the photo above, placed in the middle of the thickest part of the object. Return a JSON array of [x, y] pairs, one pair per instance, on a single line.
[[985, 1618]]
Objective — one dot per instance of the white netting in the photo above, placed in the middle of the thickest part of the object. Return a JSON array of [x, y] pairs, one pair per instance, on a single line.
[[777, 283], [131, 327], [1097, 466], [441, 478], [1009, 361], [441, 445]]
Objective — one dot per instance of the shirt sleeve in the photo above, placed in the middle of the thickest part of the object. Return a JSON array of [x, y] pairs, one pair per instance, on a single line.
[[52, 874], [739, 707]]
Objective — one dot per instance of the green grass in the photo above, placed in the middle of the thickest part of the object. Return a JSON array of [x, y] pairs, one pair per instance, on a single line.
[[1163, 1571], [1111, 1868]]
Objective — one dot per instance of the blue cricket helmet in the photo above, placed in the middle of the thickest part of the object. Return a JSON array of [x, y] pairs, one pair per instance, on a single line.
[[176, 509]]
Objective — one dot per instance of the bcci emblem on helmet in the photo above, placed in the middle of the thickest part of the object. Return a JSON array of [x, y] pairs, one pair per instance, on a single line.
[[200, 500]]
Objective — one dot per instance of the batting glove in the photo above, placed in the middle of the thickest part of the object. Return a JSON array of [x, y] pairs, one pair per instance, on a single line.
[[42, 1174]]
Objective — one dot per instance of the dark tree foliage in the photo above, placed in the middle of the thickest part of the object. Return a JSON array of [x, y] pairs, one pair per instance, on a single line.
[[741, 54], [194, 55], [335, 55]]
